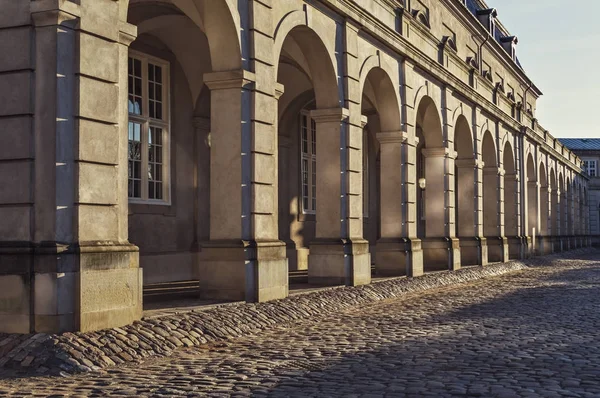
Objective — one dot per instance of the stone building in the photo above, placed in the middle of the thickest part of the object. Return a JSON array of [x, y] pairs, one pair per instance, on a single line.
[[588, 150], [230, 141]]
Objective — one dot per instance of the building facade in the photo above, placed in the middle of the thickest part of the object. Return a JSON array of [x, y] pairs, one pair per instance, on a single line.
[[588, 150], [230, 141]]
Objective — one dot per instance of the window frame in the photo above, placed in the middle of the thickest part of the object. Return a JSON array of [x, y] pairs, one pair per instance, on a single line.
[[311, 159], [587, 164], [146, 123]]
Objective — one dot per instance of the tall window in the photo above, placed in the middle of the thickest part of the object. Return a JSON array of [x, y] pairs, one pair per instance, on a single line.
[[590, 167], [148, 107], [308, 167]]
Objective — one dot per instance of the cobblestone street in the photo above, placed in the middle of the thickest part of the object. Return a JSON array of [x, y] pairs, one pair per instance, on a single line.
[[530, 333]]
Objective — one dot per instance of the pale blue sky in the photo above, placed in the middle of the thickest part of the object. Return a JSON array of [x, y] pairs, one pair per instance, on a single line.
[[559, 43]]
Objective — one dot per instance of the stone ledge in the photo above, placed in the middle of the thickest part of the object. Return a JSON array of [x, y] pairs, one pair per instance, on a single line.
[[84, 352]]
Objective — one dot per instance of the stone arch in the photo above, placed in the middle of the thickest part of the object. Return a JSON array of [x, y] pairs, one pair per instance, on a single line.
[[431, 163], [511, 200], [314, 61], [569, 206], [544, 200], [532, 196], [309, 123], [318, 61], [465, 202], [386, 97], [562, 210], [554, 201], [491, 224], [382, 212], [218, 20], [429, 125], [490, 185]]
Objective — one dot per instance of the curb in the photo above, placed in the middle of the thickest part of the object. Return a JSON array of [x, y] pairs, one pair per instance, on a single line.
[[43, 354]]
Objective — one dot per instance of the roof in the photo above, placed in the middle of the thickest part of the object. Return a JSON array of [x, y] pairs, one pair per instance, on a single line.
[[581, 144]]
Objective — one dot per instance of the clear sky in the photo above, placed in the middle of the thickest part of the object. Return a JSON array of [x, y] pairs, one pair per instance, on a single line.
[[559, 43]]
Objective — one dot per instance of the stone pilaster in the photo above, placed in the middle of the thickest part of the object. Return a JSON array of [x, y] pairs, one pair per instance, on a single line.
[[392, 254], [338, 255], [244, 260], [511, 214], [409, 175], [497, 244], [74, 269]]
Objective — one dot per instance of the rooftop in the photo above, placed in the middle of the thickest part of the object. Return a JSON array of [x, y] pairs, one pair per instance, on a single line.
[[581, 144]]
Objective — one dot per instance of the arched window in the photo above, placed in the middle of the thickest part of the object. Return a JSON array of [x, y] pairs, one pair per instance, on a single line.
[[148, 106]]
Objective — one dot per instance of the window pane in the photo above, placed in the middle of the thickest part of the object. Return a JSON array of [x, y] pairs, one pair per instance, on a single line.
[[158, 74], [137, 67], [151, 194], [150, 72], [135, 160], [159, 188], [137, 170]]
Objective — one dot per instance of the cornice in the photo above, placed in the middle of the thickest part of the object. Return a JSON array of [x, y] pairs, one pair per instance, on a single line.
[[398, 44]]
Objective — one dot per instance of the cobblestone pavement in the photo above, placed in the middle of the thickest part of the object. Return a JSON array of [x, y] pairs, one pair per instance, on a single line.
[[530, 333]]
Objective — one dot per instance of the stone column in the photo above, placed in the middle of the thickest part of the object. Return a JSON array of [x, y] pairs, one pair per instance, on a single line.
[[243, 260], [494, 215], [65, 262], [339, 254], [392, 256], [466, 227], [533, 215], [479, 212], [409, 175], [201, 187], [555, 219], [441, 251], [566, 243], [511, 214]]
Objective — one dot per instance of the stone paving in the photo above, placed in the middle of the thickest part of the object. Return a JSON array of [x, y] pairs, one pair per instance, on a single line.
[[531, 333]]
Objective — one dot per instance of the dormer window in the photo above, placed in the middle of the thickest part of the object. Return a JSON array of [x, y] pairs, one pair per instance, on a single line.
[[510, 45], [488, 19]]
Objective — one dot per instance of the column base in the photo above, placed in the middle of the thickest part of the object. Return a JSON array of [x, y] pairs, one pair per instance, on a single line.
[[545, 245], [515, 244], [473, 251], [440, 254], [77, 288], [498, 249], [243, 270], [399, 257], [339, 262]]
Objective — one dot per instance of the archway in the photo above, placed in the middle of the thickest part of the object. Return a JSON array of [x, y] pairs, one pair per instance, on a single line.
[[511, 201], [568, 222], [169, 108], [491, 224], [543, 233], [431, 206], [470, 247], [562, 212], [532, 201], [309, 154], [554, 211], [382, 173]]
